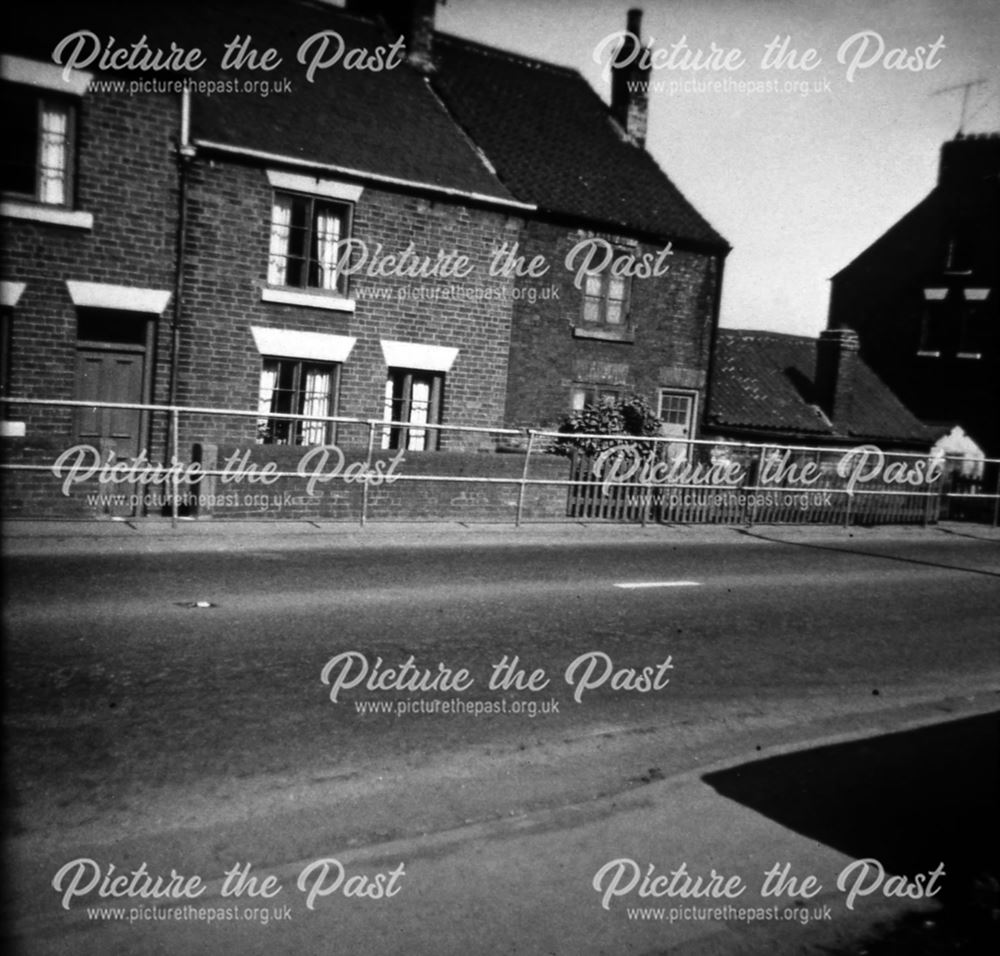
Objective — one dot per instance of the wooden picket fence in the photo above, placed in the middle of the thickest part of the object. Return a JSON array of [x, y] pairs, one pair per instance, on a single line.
[[825, 502]]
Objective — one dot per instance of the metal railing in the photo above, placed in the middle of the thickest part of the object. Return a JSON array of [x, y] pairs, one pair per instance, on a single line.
[[659, 482]]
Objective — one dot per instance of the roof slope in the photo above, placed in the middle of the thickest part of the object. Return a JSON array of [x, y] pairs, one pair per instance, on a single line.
[[764, 382], [389, 123], [553, 143], [966, 198]]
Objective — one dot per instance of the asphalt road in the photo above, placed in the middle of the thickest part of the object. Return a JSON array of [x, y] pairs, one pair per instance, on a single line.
[[132, 711]]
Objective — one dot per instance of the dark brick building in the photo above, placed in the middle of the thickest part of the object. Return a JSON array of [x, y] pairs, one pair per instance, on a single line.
[[328, 242], [924, 297], [247, 307], [641, 318]]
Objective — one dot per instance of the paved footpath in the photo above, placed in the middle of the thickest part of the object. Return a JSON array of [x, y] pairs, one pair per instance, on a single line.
[[23, 537]]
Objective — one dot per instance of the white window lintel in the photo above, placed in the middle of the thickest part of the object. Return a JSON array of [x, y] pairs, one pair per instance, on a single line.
[[290, 343], [427, 358], [45, 76], [11, 292]]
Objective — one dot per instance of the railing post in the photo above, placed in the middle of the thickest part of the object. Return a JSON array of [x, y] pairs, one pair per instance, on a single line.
[[524, 479], [755, 493], [996, 498], [368, 468], [174, 478]]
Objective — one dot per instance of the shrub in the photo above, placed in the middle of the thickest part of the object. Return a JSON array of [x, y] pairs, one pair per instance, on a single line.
[[625, 416]]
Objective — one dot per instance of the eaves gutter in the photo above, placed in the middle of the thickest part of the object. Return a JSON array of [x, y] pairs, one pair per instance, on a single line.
[[364, 175]]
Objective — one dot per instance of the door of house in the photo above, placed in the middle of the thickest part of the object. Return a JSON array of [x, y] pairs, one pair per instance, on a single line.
[[113, 377], [113, 373], [677, 413]]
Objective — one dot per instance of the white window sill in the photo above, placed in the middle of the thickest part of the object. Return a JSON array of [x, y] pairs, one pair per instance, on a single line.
[[56, 215], [314, 300], [12, 429]]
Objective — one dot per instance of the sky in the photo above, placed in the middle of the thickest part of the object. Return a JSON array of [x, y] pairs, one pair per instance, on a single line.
[[799, 183]]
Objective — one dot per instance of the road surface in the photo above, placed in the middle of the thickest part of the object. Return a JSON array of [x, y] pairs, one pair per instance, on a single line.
[[178, 708]]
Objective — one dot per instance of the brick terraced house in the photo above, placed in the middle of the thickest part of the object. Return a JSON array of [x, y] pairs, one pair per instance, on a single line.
[[579, 337], [297, 241]]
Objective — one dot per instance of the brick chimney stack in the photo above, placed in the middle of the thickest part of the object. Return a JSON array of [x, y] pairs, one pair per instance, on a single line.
[[412, 19], [419, 32], [629, 89], [970, 159], [836, 368]]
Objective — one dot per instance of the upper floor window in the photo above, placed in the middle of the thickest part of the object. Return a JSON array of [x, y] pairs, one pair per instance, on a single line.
[[605, 298], [305, 236], [38, 153], [293, 387], [958, 251]]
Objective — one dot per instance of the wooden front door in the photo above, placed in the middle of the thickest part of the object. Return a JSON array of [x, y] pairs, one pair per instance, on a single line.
[[112, 376], [116, 377]]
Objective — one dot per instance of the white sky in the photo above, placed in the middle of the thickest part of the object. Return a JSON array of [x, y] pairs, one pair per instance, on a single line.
[[798, 185]]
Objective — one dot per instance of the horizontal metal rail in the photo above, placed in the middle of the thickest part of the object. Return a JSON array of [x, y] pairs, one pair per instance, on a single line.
[[536, 441]]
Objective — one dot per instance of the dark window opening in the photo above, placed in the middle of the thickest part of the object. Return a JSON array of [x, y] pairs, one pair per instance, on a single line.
[[583, 395], [958, 251], [973, 330], [37, 153], [935, 326], [6, 321], [114, 328]]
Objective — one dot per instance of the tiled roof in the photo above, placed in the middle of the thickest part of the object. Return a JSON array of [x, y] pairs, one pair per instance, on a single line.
[[553, 143], [388, 123], [764, 382]]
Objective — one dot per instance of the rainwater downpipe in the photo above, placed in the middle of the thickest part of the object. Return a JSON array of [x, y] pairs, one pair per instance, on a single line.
[[185, 153]]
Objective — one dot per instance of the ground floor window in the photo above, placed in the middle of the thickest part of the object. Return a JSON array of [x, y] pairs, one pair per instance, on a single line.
[[294, 387], [412, 398], [580, 396], [5, 326]]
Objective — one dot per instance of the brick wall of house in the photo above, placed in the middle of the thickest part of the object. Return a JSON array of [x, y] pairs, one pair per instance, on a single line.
[[126, 177], [672, 316], [229, 208]]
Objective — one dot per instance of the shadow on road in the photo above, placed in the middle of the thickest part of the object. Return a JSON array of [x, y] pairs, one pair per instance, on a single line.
[[812, 545], [911, 800], [965, 534]]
